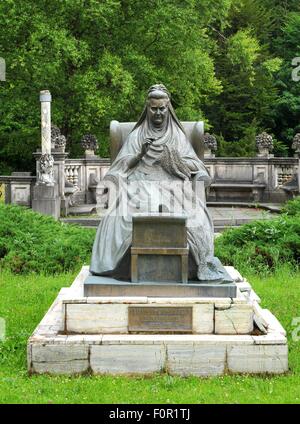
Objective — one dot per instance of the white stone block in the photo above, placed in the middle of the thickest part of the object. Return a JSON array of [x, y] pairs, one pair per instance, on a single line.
[[77, 285], [270, 339], [177, 339], [58, 353], [120, 299], [96, 318], [258, 359], [223, 303], [244, 286], [72, 367], [203, 318], [199, 360], [273, 323], [92, 339], [259, 319], [234, 274], [253, 297], [127, 359], [238, 319], [79, 300], [181, 301], [133, 339]]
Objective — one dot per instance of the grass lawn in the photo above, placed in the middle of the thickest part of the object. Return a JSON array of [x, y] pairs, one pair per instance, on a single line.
[[25, 299]]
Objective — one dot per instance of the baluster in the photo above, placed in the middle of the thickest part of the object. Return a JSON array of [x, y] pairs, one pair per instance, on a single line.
[[75, 175]]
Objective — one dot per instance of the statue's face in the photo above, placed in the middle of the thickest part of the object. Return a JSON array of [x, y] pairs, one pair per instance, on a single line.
[[158, 111]]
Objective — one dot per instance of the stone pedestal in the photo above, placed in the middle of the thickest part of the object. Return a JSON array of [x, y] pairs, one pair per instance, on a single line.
[[140, 335], [106, 286], [46, 200], [59, 156]]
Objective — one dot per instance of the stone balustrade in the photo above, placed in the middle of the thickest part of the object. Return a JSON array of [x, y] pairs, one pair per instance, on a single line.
[[236, 179], [254, 179]]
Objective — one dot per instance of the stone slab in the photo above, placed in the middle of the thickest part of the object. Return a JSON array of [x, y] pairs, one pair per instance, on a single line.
[[203, 340], [105, 286], [274, 325], [127, 359], [96, 318], [60, 368], [237, 319], [190, 359], [270, 359], [203, 318], [58, 353], [105, 318]]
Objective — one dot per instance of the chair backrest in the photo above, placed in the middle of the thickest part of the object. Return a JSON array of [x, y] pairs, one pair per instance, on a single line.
[[119, 131]]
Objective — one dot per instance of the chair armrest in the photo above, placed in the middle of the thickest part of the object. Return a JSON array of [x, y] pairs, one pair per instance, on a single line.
[[201, 176]]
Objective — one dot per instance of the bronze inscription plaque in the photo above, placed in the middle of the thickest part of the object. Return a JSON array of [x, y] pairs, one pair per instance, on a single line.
[[160, 319]]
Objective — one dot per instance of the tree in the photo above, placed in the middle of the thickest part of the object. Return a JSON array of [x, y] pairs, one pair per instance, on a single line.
[[98, 58], [247, 72], [287, 106]]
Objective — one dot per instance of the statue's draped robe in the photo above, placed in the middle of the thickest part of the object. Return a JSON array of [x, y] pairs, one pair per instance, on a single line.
[[144, 188]]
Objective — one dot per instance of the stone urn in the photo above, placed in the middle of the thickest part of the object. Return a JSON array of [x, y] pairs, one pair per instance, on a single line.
[[90, 144], [264, 144], [58, 141], [296, 145], [210, 145]]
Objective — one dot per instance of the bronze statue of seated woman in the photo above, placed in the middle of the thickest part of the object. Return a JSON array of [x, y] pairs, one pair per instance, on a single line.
[[156, 170]]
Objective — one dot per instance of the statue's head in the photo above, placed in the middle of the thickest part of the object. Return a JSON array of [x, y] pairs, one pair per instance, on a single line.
[[158, 110], [158, 104]]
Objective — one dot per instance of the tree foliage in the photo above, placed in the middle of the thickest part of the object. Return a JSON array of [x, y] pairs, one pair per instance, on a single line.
[[227, 62]]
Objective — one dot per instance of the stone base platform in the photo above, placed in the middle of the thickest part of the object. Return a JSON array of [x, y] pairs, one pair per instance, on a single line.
[[115, 335], [106, 286]]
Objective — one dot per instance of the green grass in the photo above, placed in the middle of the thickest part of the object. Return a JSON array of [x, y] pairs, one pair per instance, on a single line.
[[25, 299]]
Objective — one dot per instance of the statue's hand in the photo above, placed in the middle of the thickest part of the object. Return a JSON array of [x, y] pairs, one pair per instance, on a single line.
[[135, 160], [145, 146]]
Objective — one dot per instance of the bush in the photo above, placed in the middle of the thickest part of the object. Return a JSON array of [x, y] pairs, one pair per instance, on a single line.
[[292, 207], [261, 246], [31, 242]]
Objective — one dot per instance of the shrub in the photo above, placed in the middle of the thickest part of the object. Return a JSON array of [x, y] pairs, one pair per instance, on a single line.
[[292, 207], [261, 246], [31, 242]]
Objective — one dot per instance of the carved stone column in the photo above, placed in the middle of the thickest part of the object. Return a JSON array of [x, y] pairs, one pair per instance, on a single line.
[[46, 197]]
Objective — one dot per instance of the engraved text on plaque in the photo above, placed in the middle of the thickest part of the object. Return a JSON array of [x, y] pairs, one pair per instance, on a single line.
[[160, 319]]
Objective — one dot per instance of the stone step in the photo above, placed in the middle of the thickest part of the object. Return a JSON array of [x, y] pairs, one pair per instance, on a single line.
[[84, 222], [272, 207], [94, 222], [220, 229]]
